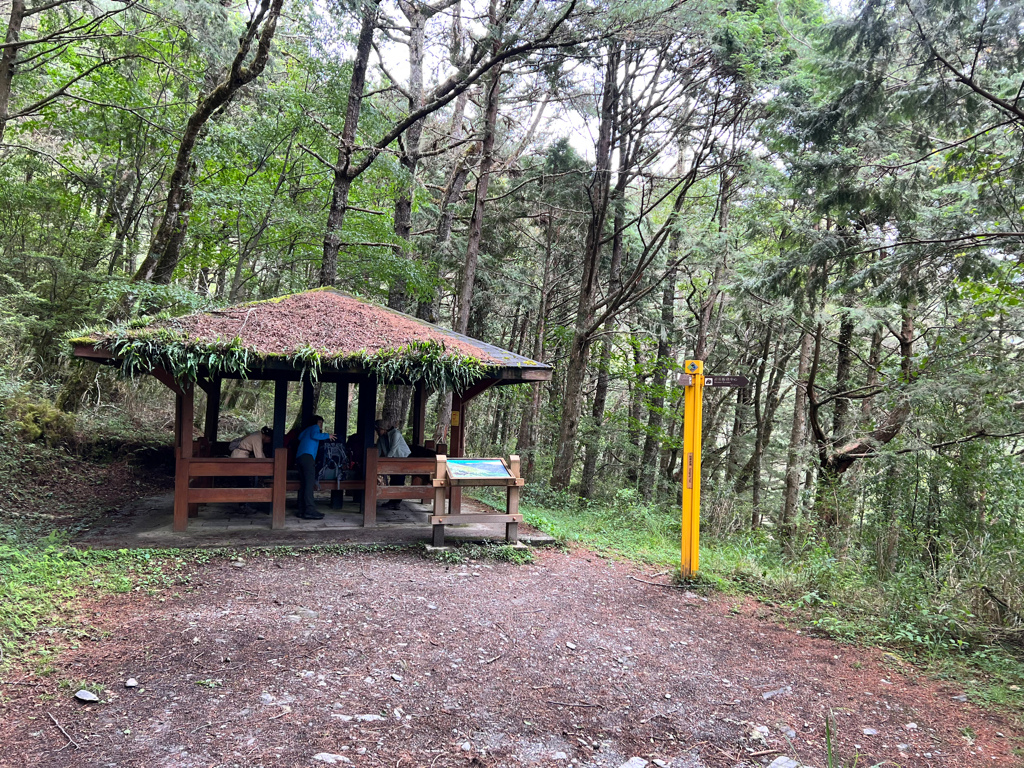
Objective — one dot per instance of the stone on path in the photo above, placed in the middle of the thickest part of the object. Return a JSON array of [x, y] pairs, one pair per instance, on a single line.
[[870, 732], [634, 762], [131, 682], [785, 762], [89, 696], [330, 758]]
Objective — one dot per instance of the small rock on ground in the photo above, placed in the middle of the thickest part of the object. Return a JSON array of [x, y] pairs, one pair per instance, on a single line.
[[330, 758], [785, 762], [84, 695], [131, 682], [634, 762]]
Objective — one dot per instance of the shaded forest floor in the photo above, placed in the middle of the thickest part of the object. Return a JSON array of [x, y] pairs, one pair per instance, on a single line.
[[392, 659]]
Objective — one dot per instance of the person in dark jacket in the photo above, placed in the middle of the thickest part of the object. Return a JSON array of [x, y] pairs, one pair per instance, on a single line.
[[305, 461]]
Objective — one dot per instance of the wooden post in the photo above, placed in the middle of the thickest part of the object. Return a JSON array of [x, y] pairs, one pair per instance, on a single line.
[[439, 480], [307, 402], [280, 411], [181, 494], [183, 419], [341, 410], [212, 410], [512, 505], [367, 415], [419, 409], [280, 487], [456, 450], [341, 430]]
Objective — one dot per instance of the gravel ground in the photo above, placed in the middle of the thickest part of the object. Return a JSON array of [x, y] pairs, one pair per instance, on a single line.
[[394, 660]]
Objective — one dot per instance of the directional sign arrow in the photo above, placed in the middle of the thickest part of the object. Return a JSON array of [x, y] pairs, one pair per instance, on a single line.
[[726, 381]]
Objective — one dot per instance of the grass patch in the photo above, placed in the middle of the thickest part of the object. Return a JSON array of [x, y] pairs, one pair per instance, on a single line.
[[468, 553]]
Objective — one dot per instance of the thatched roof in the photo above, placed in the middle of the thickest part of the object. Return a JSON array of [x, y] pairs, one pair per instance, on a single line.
[[313, 331]]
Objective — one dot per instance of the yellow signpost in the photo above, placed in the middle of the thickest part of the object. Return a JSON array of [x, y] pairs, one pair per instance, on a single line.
[[693, 380], [693, 409]]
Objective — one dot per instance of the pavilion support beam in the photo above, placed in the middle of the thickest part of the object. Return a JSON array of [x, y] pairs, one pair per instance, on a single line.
[[280, 411], [478, 388], [419, 413], [307, 403], [367, 415], [212, 409], [341, 409], [165, 377], [340, 429], [457, 447]]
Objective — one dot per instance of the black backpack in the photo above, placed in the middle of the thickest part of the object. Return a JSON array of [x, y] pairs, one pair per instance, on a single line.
[[331, 462]]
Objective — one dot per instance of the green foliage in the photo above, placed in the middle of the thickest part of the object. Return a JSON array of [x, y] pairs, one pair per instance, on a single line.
[[36, 419]]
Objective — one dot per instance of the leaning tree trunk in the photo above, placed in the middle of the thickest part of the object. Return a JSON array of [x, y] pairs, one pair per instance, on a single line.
[[833, 463], [165, 250]]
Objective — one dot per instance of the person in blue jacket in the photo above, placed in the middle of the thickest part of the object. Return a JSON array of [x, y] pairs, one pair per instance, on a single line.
[[305, 461]]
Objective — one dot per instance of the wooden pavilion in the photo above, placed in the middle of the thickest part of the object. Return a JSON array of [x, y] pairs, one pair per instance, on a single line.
[[322, 335]]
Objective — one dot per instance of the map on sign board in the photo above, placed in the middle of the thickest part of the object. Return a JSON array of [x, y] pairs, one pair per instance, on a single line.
[[477, 469]]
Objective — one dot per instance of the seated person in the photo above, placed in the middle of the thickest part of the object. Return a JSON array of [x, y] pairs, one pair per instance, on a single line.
[[254, 446], [392, 445]]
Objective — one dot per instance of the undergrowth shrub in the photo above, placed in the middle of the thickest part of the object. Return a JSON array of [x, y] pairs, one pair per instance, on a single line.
[[36, 419]]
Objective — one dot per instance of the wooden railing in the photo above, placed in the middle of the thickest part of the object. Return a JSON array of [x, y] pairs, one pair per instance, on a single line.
[[194, 486], [187, 497]]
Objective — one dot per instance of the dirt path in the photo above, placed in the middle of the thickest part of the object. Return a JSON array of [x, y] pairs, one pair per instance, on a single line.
[[394, 660]]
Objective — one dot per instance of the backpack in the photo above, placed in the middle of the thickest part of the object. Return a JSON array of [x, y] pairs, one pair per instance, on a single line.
[[331, 462]]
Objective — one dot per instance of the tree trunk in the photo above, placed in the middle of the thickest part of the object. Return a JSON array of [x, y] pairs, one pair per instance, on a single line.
[[796, 441], [874, 360], [344, 172], [579, 349], [8, 60], [526, 445], [659, 382], [476, 223], [592, 445], [841, 415]]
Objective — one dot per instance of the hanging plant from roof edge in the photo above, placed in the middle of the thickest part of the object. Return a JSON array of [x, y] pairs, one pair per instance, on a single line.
[[142, 350], [426, 361], [141, 353]]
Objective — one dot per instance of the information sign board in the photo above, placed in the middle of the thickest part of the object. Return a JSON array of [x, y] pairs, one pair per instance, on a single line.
[[478, 469], [726, 381]]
